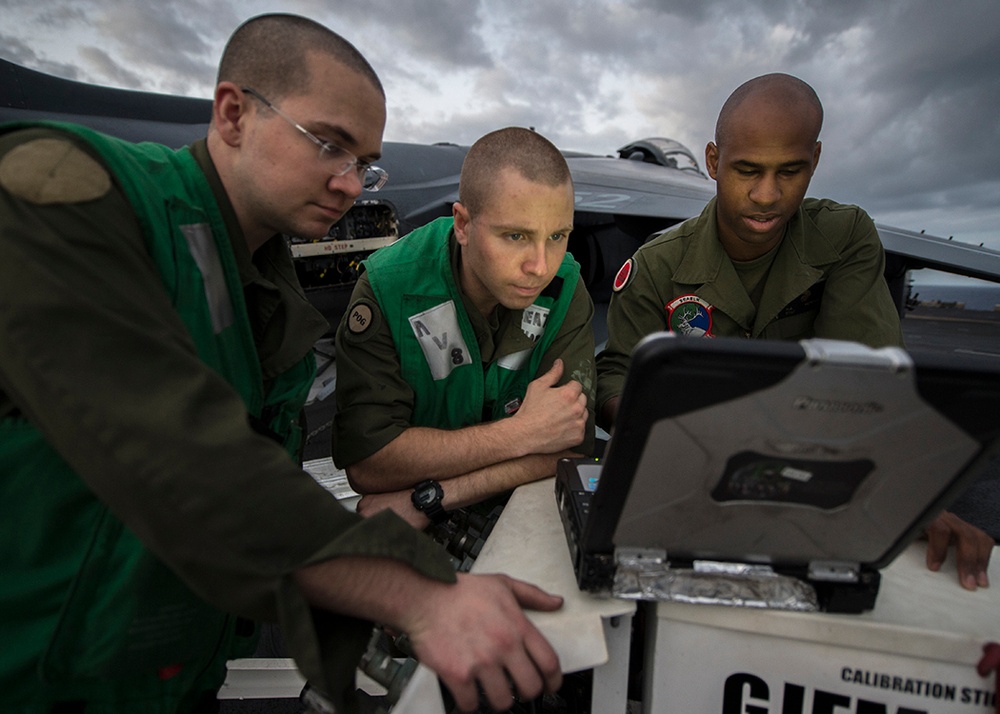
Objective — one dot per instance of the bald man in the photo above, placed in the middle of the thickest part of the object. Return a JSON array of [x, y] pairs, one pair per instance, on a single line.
[[465, 364], [764, 262]]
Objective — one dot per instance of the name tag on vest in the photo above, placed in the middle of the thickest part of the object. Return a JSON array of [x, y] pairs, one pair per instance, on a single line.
[[533, 321], [441, 339]]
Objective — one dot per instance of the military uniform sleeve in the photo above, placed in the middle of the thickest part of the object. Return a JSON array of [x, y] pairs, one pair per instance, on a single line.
[[635, 311], [95, 357], [856, 301], [374, 402], [574, 345]]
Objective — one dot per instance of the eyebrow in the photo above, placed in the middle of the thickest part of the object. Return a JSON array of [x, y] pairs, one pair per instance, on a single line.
[[513, 228], [746, 163], [341, 136]]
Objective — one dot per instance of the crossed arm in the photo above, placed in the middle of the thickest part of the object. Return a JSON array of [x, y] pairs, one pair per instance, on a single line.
[[477, 462]]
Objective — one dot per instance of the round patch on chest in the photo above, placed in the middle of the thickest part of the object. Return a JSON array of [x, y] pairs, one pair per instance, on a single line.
[[689, 315]]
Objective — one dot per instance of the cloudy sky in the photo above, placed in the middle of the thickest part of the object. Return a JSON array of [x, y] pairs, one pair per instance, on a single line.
[[911, 88]]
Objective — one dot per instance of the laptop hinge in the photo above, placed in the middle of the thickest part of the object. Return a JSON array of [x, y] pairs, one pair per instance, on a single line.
[[832, 571]]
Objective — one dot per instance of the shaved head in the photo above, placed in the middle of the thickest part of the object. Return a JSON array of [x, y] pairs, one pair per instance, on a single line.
[[783, 92], [532, 155], [268, 53]]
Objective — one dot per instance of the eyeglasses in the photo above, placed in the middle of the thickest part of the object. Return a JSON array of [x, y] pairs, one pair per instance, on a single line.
[[338, 161]]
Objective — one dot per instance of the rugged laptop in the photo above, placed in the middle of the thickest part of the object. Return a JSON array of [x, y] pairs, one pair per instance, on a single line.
[[820, 460]]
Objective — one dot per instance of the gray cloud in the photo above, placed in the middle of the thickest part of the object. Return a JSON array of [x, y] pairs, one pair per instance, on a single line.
[[910, 87]]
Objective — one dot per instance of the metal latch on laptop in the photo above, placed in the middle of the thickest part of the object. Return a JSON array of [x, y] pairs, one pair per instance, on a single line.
[[832, 571], [838, 352], [641, 558]]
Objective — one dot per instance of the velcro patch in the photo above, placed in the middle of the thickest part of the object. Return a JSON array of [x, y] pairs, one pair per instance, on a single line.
[[623, 276], [360, 319], [47, 171], [440, 337]]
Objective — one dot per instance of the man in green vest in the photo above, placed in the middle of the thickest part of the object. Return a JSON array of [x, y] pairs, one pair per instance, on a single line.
[[764, 262], [156, 356], [465, 361]]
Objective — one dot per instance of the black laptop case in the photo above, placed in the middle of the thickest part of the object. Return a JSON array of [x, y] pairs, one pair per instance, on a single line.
[[820, 459]]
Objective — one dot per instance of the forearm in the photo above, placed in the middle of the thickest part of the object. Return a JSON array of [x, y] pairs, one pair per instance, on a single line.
[[479, 485], [377, 589], [420, 453], [467, 489]]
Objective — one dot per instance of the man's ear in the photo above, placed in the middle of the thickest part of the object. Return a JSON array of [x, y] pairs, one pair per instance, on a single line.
[[228, 111], [462, 220], [712, 159], [816, 153]]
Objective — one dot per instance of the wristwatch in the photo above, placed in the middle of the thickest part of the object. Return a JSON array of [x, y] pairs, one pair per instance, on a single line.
[[426, 498]]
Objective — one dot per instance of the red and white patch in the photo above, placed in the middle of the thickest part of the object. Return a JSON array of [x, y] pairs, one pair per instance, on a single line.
[[690, 315], [624, 275]]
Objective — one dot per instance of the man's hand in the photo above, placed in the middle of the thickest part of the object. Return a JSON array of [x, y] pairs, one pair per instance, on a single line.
[[972, 549], [477, 633], [554, 418], [398, 501]]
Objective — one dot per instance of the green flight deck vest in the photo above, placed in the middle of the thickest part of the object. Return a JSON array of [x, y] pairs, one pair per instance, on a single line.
[[439, 356], [88, 614]]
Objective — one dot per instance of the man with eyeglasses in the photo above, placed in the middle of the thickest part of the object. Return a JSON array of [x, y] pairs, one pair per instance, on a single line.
[[465, 362], [156, 356]]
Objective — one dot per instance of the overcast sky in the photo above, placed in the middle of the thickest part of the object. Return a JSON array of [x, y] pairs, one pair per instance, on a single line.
[[911, 88]]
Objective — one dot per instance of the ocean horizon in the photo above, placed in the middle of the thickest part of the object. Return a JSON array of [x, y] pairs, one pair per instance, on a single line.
[[973, 297]]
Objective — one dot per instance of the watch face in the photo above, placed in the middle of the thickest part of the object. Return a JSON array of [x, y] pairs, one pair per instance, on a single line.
[[425, 496]]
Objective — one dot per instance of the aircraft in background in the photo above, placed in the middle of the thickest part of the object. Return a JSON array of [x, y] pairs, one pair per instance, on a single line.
[[620, 200]]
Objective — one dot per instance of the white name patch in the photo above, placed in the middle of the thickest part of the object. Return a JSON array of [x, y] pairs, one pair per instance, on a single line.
[[533, 321], [440, 339]]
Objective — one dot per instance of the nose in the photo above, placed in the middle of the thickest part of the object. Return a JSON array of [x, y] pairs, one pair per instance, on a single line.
[[349, 184], [765, 191], [536, 262]]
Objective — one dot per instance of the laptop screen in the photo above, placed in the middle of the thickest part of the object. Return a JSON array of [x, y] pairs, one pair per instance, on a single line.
[[788, 453]]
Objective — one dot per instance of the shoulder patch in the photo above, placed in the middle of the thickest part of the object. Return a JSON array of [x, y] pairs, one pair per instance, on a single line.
[[360, 320], [47, 171], [623, 276]]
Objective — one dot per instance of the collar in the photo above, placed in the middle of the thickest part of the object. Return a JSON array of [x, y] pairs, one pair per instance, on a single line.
[[269, 282]]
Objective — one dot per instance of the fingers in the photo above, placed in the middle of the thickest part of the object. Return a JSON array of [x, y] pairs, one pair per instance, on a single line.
[[551, 378], [529, 667], [973, 548], [972, 553], [497, 689], [545, 660], [938, 539], [532, 597]]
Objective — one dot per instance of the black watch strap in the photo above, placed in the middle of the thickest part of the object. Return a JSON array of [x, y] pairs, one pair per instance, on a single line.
[[426, 498]]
